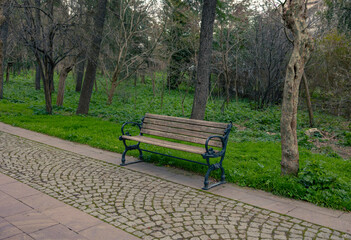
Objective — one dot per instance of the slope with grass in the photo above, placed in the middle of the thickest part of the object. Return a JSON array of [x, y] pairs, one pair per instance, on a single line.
[[253, 154]]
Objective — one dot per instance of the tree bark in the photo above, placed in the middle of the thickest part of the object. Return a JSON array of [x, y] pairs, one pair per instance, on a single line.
[[47, 74], [7, 73], [93, 56], [37, 31], [1, 69], [204, 62], [61, 87], [308, 101], [80, 75], [294, 16], [4, 31], [37, 77]]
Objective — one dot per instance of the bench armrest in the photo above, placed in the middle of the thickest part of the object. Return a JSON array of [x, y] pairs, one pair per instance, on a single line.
[[210, 151], [129, 123]]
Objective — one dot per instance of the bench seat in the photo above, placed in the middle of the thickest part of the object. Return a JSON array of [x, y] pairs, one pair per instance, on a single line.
[[166, 144]]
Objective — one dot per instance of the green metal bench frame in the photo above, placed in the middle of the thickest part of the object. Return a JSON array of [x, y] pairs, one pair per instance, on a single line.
[[207, 153]]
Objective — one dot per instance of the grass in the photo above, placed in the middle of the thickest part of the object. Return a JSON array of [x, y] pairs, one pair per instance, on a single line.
[[253, 154]]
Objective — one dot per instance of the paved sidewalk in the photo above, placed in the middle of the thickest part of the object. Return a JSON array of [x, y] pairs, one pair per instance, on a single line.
[[150, 207]]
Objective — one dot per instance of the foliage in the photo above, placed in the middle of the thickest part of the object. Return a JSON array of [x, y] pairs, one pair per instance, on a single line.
[[329, 72], [347, 138], [321, 185], [253, 153], [339, 12]]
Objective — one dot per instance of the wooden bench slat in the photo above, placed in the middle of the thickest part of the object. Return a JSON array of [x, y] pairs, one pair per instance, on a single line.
[[179, 131], [186, 126], [187, 121], [180, 137], [166, 144]]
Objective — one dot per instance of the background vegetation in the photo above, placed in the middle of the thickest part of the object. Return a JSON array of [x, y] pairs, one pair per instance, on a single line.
[[147, 62], [253, 155]]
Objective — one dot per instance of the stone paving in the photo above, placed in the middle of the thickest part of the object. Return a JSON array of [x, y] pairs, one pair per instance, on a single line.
[[143, 205]]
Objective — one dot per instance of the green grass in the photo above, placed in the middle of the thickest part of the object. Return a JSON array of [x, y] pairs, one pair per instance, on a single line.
[[252, 158]]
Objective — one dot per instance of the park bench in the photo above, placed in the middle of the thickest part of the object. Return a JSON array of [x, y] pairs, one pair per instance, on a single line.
[[188, 131]]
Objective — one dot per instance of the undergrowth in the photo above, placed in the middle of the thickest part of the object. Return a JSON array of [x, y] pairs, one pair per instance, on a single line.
[[253, 153]]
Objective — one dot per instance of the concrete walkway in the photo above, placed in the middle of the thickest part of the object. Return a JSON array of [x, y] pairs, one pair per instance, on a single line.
[[145, 201]]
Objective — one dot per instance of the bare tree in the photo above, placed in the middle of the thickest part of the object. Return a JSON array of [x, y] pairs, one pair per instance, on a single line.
[[204, 62], [3, 23], [132, 44], [55, 40], [67, 66], [294, 16], [93, 56]]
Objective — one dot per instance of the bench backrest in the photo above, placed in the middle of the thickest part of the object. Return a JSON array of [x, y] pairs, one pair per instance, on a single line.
[[189, 130]]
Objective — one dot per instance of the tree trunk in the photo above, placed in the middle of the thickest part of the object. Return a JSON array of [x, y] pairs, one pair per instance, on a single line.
[[1, 69], [112, 92], [4, 31], [204, 62], [153, 84], [93, 56], [47, 74], [236, 76], [96, 86], [7, 73], [38, 70], [37, 76], [80, 75], [61, 87], [294, 16], [308, 100]]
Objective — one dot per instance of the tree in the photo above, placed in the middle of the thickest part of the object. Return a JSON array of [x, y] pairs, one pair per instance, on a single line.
[[38, 72], [229, 40], [93, 56], [182, 31], [131, 44], [264, 59], [56, 40], [339, 12], [294, 16], [204, 62], [4, 29], [66, 68]]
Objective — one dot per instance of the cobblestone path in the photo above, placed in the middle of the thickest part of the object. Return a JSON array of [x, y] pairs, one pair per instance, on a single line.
[[143, 205]]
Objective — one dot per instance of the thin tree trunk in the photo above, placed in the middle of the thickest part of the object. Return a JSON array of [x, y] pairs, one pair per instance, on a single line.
[[61, 87], [47, 73], [93, 54], [50, 47], [294, 16], [96, 86], [80, 75], [1, 68], [204, 62], [7, 73], [135, 79], [37, 76], [153, 84], [236, 77], [3, 27], [112, 92], [308, 100], [38, 32]]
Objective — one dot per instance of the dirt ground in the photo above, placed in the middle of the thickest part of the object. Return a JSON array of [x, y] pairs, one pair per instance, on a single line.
[[330, 140]]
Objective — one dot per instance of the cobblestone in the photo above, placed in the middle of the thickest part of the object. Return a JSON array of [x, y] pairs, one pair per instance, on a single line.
[[143, 205]]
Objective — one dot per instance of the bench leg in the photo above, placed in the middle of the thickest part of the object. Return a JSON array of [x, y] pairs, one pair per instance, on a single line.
[[140, 154], [123, 159], [127, 148], [210, 169]]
